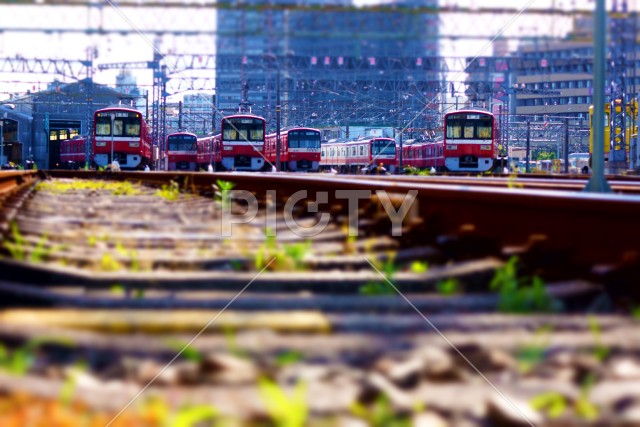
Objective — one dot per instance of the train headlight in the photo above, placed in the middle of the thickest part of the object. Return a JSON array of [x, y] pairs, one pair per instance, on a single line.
[[452, 147], [485, 147]]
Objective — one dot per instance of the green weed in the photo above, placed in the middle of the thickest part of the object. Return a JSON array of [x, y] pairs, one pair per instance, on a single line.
[[380, 414], [197, 415], [552, 403], [448, 287], [584, 407], [419, 267], [388, 268], [18, 247], [188, 352], [284, 410], [222, 193], [109, 263], [123, 188], [288, 257], [512, 181], [169, 192], [288, 358], [534, 352], [16, 362], [600, 351], [521, 294]]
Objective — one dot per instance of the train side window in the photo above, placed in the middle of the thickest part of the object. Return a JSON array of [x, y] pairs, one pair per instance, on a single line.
[[353, 151], [362, 150]]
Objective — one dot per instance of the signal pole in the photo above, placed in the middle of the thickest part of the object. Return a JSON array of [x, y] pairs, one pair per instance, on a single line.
[[597, 182]]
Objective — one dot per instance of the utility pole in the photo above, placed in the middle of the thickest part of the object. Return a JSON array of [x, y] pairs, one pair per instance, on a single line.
[[566, 146], [528, 153], [278, 107], [2, 162]]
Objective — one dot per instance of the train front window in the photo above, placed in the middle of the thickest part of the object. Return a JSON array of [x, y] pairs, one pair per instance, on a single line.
[[386, 148], [103, 129], [468, 131], [473, 126], [484, 132], [117, 127], [257, 134], [304, 139], [103, 126], [182, 143], [454, 130], [246, 129], [230, 134], [132, 129]]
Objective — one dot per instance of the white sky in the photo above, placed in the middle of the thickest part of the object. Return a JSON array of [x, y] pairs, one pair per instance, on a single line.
[[119, 48]]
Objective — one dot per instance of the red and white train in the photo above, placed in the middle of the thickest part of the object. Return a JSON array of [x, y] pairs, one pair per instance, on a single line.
[[363, 154], [239, 146], [129, 141], [470, 141], [181, 151], [73, 153], [123, 133], [423, 154], [299, 149]]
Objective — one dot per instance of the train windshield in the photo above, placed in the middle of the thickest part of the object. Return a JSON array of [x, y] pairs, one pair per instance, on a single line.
[[124, 124], [469, 126], [304, 139], [182, 143], [243, 129], [386, 147]]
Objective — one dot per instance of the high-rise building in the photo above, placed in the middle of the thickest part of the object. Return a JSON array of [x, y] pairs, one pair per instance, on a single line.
[[337, 65]]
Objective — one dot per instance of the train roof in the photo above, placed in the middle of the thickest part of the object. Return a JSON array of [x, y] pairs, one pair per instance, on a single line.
[[118, 107], [288, 128], [357, 141], [247, 115], [181, 132], [470, 110]]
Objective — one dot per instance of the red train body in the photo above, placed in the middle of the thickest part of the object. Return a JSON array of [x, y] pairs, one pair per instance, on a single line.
[[239, 146], [181, 151], [208, 152], [362, 154], [299, 149], [423, 155], [130, 138], [73, 153], [470, 141]]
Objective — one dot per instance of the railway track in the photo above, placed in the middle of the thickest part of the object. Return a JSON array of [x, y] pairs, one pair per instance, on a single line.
[[119, 271]]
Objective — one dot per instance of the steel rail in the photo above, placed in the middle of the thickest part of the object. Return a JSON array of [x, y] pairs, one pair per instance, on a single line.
[[577, 224]]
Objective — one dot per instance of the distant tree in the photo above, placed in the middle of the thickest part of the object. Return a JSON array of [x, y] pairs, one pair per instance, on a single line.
[[545, 155]]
